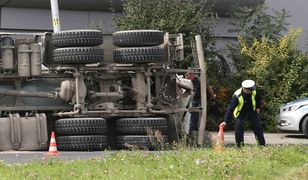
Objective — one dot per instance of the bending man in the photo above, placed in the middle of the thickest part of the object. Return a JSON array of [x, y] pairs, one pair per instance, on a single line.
[[245, 102]]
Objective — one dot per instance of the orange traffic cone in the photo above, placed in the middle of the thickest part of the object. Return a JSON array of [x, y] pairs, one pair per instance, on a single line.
[[53, 146], [220, 140]]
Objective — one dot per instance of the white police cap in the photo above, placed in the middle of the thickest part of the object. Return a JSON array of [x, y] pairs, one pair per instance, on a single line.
[[248, 84]]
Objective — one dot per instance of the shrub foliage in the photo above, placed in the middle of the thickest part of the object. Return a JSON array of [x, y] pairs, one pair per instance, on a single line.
[[279, 69]]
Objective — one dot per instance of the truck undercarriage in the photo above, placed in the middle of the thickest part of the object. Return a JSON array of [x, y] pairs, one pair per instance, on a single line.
[[95, 91]]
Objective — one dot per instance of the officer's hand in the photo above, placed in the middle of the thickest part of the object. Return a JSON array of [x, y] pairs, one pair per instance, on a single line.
[[223, 124], [258, 111]]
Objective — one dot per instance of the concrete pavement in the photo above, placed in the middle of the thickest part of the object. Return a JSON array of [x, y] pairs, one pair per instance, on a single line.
[[270, 138]]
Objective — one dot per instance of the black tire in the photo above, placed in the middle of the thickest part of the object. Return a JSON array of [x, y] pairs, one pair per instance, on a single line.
[[140, 126], [80, 126], [78, 55], [74, 38], [305, 126], [138, 55], [138, 38], [82, 143], [141, 142]]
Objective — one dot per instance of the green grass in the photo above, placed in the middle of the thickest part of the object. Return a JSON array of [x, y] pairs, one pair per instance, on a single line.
[[273, 162]]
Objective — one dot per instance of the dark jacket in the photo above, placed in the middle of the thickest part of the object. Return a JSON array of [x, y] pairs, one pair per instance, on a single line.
[[247, 107], [197, 92]]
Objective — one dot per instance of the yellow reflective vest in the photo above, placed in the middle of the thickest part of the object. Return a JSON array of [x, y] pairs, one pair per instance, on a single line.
[[238, 94]]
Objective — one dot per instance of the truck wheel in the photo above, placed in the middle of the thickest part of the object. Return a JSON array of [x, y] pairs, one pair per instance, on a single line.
[[73, 38], [141, 125], [141, 142], [78, 55], [138, 55], [137, 38], [82, 143], [80, 126], [305, 126]]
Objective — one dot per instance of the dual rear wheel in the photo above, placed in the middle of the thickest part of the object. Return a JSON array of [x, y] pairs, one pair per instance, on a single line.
[[90, 134], [143, 133], [77, 47], [83, 47], [81, 134]]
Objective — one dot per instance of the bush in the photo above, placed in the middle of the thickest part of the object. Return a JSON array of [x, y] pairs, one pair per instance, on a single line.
[[280, 71]]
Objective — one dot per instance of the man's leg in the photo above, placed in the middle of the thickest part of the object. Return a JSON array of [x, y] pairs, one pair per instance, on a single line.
[[193, 124], [239, 132], [255, 121], [194, 118]]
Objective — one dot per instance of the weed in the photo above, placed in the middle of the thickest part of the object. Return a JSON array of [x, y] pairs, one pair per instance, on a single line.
[[158, 141]]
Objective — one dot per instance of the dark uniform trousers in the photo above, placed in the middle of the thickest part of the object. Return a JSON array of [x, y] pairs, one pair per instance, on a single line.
[[255, 122]]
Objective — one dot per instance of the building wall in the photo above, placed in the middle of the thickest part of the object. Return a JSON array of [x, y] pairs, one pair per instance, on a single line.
[[40, 19], [297, 9], [28, 19]]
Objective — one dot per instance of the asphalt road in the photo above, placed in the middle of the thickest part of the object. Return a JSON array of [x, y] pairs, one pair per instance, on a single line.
[[9, 157]]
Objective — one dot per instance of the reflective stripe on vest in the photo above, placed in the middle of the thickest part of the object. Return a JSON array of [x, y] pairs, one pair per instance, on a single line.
[[238, 94]]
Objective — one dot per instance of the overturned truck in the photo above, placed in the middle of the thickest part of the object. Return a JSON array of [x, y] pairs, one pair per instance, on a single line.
[[95, 91]]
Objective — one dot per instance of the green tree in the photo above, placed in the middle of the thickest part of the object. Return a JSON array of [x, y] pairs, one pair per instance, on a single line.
[[279, 69], [254, 23], [173, 16]]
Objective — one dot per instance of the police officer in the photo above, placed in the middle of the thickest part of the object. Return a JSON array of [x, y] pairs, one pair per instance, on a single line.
[[245, 102]]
